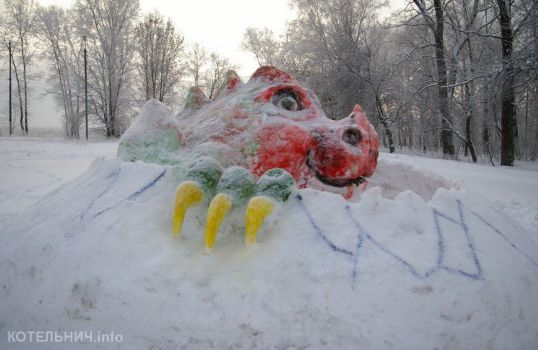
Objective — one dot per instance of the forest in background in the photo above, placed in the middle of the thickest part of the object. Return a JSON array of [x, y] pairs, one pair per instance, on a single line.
[[130, 58], [456, 79]]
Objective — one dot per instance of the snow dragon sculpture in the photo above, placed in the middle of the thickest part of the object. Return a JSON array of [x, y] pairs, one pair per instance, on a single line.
[[270, 129]]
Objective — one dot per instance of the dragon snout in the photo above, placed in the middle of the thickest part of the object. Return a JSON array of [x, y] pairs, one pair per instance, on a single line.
[[336, 154], [346, 152]]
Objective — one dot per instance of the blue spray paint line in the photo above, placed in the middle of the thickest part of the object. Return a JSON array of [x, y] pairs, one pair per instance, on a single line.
[[441, 239], [354, 274], [149, 185], [408, 266], [363, 236], [133, 195], [478, 275], [470, 240], [326, 240], [319, 232], [113, 176], [496, 230]]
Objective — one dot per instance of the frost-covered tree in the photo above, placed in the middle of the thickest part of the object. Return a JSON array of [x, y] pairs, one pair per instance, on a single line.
[[160, 50], [207, 72], [108, 26], [196, 60], [263, 44], [433, 15], [433, 75], [18, 25], [62, 48], [216, 73], [338, 48]]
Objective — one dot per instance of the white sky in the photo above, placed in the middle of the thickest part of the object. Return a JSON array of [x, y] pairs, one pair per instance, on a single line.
[[216, 25]]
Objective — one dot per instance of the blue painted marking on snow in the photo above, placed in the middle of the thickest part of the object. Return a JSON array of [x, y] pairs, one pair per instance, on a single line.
[[150, 184], [113, 176], [478, 275], [354, 274], [133, 195], [320, 232], [363, 236], [496, 230], [408, 266]]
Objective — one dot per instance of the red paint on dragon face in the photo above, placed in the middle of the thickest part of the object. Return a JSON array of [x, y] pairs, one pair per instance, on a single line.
[[337, 153], [283, 146], [272, 73], [273, 122]]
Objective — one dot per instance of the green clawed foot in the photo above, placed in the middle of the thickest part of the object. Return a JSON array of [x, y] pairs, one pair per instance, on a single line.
[[233, 187]]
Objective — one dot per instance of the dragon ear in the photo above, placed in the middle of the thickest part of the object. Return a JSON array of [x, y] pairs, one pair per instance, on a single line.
[[195, 99], [362, 120], [360, 117], [231, 82], [272, 73]]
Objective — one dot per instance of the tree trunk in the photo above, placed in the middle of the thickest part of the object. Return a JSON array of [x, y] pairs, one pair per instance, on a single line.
[[10, 109], [447, 140], [24, 80], [383, 118], [19, 92], [508, 108], [468, 93]]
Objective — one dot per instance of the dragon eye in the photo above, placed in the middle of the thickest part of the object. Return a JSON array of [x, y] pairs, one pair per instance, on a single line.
[[287, 100], [352, 136]]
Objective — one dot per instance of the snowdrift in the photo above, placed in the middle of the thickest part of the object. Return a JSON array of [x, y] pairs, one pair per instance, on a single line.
[[417, 262]]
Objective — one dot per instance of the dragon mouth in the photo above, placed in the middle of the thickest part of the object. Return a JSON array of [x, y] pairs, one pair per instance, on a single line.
[[336, 182]]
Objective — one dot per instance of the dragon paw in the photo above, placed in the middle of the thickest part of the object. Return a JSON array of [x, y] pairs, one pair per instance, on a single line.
[[230, 189]]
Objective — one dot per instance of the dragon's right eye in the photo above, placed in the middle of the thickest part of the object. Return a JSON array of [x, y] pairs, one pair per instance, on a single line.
[[287, 100]]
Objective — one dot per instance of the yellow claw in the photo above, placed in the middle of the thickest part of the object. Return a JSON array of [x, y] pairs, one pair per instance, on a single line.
[[258, 209], [219, 207], [188, 193]]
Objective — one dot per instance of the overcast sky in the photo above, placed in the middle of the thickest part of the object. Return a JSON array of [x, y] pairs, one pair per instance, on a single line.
[[218, 25]]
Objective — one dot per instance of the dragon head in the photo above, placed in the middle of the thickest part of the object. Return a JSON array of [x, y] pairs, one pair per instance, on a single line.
[[297, 136], [269, 122]]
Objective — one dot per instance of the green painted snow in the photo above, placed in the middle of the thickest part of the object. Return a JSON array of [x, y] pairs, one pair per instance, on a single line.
[[275, 183], [206, 171], [160, 148], [238, 183]]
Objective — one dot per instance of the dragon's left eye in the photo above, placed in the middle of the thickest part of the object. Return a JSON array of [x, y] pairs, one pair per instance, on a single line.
[[287, 100]]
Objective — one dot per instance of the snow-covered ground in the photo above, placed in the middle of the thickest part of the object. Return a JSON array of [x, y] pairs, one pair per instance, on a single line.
[[32, 167], [513, 190], [435, 254]]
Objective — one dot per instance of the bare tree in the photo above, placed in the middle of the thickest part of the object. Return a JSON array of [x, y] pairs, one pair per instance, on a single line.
[[108, 26], [262, 43], [18, 27], [197, 59], [216, 72], [159, 49], [437, 27], [508, 96], [62, 49]]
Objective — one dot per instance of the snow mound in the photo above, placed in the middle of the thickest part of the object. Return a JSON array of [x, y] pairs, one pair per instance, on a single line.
[[151, 137], [435, 267]]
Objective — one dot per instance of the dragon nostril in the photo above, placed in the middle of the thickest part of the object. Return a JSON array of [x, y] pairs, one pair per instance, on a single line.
[[352, 136]]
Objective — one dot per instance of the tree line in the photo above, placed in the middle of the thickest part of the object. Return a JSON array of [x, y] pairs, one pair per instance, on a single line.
[[130, 58], [457, 78]]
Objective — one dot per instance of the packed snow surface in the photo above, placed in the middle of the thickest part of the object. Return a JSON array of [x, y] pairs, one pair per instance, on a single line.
[[424, 259]]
